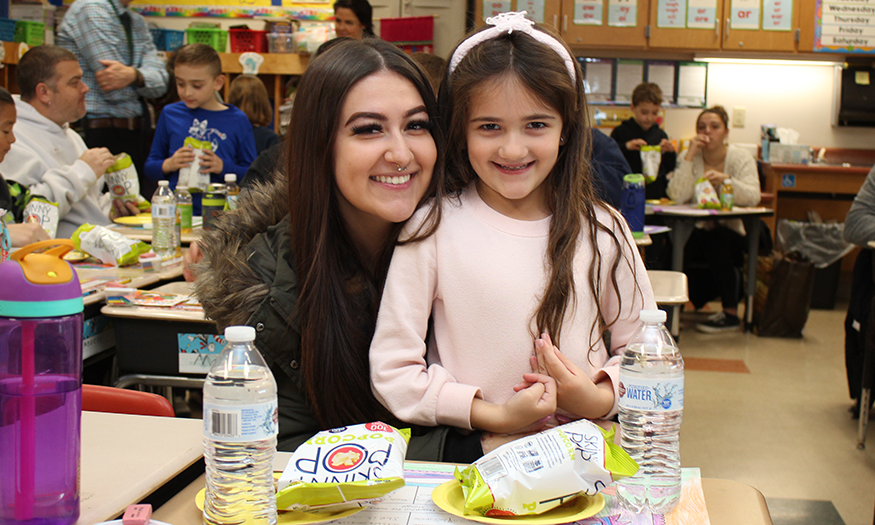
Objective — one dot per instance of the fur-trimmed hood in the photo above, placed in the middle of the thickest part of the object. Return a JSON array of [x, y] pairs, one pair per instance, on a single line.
[[229, 289]]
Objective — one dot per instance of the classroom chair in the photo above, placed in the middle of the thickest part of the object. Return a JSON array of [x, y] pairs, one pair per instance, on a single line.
[[122, 401], [670, 289]]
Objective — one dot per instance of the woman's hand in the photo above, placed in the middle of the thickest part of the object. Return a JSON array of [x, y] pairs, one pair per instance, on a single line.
[[715, 177], [527, 406], [699, 142], [26, 233], [576, 392], [192, 256]]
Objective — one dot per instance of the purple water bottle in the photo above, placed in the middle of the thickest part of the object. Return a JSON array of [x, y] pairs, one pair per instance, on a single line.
[[40, 386], [633, 203]]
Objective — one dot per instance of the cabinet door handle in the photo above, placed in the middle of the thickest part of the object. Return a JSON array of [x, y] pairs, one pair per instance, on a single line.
[[564, 23], [717, 28], [726, 29], [555, 21]]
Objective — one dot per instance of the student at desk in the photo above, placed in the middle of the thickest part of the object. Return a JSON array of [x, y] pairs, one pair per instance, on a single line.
[[717, 247], [303, 260]]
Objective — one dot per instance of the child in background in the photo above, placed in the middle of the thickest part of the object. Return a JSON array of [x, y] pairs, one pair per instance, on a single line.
[[249, 94], [523, 256], [642, 130], [199, 114]]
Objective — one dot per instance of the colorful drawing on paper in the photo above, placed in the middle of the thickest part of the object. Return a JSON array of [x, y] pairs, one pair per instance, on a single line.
[[236, 9], [197, 352]]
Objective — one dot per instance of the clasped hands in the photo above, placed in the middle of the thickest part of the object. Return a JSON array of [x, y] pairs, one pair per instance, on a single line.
[[115, 75], [665, 145], [184, 156], [555, 382]]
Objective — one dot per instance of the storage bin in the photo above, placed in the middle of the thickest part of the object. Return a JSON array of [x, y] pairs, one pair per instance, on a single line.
[[243, 40], [31, 33], [407, 29], [167, 39], [281, 42], [215, 38], [7, 30]]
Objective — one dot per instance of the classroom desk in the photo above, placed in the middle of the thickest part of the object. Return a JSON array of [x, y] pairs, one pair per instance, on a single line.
[[143, 234], [125, 458], [139, 278], [683, 218], [728, 502]]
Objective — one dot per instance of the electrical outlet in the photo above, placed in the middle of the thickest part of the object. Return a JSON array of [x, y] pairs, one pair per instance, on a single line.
[[738, 115]]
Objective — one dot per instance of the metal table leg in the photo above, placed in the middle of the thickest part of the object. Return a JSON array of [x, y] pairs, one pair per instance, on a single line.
[[752, 227]]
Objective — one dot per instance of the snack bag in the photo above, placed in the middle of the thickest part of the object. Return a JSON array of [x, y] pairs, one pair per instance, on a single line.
[[705, 195], [651, 156], [343, 467], [107, 245], [191, 175], [122, 181], [535, 474], [44, 212], [5, 239]]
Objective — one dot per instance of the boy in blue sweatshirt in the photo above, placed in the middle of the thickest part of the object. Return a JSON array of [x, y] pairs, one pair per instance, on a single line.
[[200, 114]]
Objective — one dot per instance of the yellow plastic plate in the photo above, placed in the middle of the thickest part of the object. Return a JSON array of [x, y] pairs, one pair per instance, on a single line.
[[293, 517], [134, 220], [448, 496]]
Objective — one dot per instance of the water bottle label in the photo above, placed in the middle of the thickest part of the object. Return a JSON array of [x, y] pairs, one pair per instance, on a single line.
[[654, 394], [240, 423], [162, 211]]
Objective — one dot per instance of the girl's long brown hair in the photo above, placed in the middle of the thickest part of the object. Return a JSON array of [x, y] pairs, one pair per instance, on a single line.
[[339, 294], [518, 57]]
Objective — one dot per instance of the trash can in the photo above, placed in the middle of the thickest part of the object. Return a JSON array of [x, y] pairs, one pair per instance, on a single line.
[[824, 246]]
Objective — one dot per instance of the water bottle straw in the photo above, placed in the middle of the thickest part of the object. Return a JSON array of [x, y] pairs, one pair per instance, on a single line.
[[24, 496]]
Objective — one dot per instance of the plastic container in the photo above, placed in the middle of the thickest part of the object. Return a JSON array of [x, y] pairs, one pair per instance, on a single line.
[[7, 30], [407, 29], [40, 386], [31, 33], [165, 241], [184, 205], [213, 204], [215, 38], [727, 195], [244, 40], [167, 39], [651, 409], [240, 429], [633, 203], [281, 42], [232, 191]]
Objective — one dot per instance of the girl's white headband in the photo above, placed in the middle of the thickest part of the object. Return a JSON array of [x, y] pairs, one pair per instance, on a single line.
[[510, 22]]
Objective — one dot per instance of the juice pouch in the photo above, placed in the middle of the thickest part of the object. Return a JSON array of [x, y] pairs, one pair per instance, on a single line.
[[651, 156], [44, 212], [344, 467], [535, 474], [107, 245], [191, 175], [706, 196]]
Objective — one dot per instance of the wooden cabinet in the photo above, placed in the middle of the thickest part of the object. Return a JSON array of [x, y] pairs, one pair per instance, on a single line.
[[577, 33]]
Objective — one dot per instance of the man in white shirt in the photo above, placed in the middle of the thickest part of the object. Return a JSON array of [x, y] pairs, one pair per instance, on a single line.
[[48, 156]]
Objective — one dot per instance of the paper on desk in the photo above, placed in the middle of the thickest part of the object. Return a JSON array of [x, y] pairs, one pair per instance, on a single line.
[[412, 504]]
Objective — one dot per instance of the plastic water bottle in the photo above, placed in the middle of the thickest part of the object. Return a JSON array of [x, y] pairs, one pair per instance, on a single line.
[[184, 206], [240, 428], [165, 242], [233, 191], [651, 408]]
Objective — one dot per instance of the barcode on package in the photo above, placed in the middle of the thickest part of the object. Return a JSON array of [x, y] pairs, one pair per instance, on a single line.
[[492, 469], [225, 424]]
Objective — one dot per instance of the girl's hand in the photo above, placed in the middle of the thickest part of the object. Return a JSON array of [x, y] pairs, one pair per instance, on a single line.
[[211, 163], [576, 392], [181, 158], [527, 406], [715, 177], [635, 144]]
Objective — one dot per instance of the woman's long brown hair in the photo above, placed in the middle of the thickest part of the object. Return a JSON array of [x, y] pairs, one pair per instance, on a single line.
[[339, 294], [518, 57]]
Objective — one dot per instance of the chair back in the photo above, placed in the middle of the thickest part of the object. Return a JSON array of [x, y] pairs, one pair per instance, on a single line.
[[121, 401]]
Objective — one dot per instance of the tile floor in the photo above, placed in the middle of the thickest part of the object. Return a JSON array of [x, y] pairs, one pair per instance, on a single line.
[[776, 417]]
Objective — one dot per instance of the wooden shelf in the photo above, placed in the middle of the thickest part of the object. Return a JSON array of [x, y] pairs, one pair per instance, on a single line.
[[274, 63]]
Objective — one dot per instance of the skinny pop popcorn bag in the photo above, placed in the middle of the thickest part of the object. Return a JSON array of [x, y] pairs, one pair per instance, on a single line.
[[651, 157], [107, 245], [121, 178], [538, 473], [191, 176], [343, 467]]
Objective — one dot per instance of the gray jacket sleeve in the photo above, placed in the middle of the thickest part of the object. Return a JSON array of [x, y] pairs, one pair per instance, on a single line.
[[860, 221]]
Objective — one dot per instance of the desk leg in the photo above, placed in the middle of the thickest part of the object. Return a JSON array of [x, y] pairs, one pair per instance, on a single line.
[[752, 227], [680, 233]]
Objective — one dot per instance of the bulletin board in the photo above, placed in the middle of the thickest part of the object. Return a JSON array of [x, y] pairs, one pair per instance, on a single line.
[[234, 9], [844, 27], [612, 80]]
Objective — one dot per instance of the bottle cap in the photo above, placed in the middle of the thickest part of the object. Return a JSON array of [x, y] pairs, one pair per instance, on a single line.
[[40, 284], [182, 186], [652, 316], [230, 177], [163, 182], [239, 333]]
